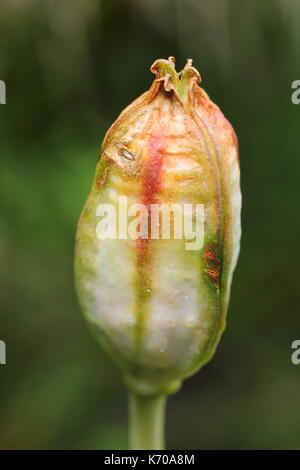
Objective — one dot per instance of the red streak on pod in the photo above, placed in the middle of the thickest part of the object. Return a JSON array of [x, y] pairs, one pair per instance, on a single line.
[[151, 185]]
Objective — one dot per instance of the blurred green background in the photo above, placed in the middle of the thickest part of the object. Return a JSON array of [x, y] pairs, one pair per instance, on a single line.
[[70, 67]]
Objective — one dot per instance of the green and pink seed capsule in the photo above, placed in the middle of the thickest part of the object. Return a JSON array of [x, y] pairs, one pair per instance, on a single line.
[[157, 307]]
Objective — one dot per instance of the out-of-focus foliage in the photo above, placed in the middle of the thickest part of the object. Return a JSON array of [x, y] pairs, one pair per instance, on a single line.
[[70, 68]]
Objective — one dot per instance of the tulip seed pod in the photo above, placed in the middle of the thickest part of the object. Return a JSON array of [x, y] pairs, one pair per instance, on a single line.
[[157, 307]]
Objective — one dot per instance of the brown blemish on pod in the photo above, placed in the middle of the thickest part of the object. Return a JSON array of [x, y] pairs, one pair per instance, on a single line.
[[212, 263], [100, 181]]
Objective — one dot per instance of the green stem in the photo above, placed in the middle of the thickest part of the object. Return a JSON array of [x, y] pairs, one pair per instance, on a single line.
[[146, 422]]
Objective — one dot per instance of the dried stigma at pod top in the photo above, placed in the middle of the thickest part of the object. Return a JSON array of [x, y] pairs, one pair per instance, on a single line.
[[158, 308]]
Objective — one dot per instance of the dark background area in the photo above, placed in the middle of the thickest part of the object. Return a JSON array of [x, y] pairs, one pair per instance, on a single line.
[[70, 67]]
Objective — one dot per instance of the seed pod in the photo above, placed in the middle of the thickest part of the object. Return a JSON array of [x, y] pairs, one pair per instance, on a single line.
[[157, 303]]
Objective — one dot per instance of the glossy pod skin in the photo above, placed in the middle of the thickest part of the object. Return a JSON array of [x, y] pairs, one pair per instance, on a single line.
[[156, 307]]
